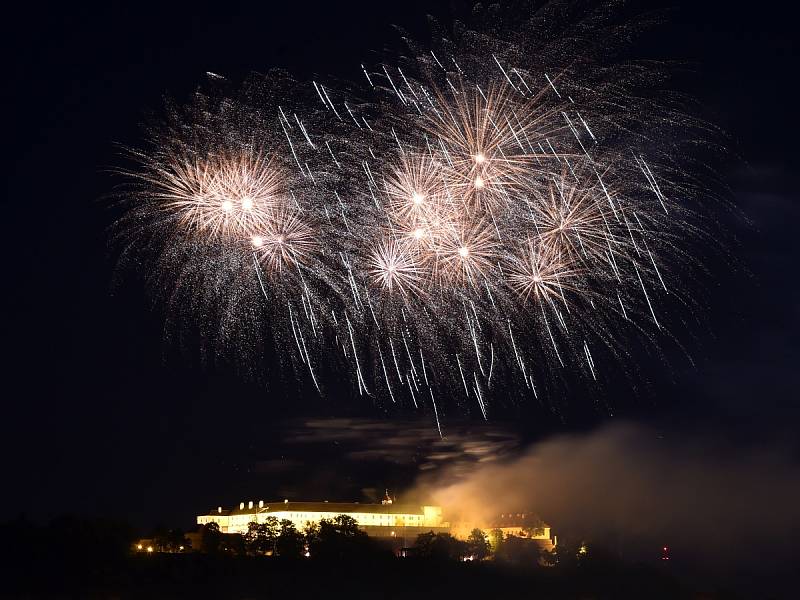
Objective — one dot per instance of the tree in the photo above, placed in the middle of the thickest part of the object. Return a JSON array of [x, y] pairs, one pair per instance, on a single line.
[[261, 537], [423, 546], [290, 543], [347, 526], [566, 555], [519, 552], [495, 539], [170, 541], [534, 527], [337, 538], [477, 545], [439, 546], [234, 544], [160, 538], [549, 558], [311, 532], [272, 528], [254, 538], [210, 538]]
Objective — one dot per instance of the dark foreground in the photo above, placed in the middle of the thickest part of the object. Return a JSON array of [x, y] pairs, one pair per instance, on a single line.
[[202, 576], [96, 559]]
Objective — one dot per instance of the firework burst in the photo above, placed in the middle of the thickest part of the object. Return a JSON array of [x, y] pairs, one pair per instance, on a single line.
[[542, 271], [219, 196], [284, 241], [467, 255], [394, 268], [464, 220]]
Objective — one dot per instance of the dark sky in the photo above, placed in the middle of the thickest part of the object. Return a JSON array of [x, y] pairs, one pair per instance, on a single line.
[[98, 420]]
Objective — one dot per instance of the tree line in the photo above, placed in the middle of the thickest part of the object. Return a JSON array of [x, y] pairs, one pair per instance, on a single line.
[[341, 537], [336, 538]]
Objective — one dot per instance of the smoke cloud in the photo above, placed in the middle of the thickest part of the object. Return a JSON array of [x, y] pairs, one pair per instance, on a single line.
[[720, 504], [626, 485]]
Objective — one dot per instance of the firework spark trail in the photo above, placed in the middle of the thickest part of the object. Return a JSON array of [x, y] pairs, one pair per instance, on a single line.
[[479, 395], [461, 371], [647, 297], [308, 362], [396, 365], [491, 365], [453, 198], [294, 331], [411, 389], [361, 382], [424, 371], [589, 360], [260, 280], [514, 346], [385, 374], [436, 414]]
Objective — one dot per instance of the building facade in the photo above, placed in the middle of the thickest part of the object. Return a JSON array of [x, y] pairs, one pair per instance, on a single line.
[[387, 519], [400, 523]]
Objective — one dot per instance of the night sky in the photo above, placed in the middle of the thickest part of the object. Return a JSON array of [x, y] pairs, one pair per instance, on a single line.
[[101, 418]]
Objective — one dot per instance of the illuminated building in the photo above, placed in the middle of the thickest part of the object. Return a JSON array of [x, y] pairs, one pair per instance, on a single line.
[[526, 526], [399, 522], [386, 519]]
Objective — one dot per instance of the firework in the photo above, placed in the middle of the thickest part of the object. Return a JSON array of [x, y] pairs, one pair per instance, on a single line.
[[285, 240], [467, 255], [463, 220], [542, 271], [227, 195], [394, 268]]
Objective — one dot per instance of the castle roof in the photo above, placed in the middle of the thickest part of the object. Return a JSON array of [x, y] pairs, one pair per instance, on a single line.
[[328, 507]]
